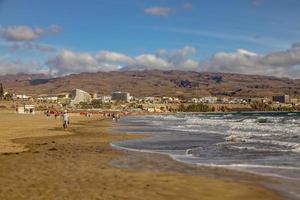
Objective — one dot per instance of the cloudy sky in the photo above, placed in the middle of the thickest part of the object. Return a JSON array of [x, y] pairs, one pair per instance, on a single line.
[[60, 37]]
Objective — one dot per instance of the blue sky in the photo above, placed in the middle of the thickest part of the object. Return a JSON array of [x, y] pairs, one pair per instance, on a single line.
[[141, 28]]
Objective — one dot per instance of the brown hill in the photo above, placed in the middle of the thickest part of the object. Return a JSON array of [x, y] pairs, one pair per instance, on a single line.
[[155, 83]]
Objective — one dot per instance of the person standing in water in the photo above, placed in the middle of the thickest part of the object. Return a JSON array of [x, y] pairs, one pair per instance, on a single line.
[[65, 120]]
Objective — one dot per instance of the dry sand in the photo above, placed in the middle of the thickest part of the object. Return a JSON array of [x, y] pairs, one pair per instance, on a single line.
[[78, 166], [15, 126]]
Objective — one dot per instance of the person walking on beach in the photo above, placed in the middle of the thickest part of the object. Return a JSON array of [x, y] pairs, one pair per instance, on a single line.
[[117, 117], [56, 114], [65, 120]]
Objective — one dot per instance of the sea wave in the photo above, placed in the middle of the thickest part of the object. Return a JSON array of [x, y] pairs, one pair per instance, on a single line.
[[259, 142]]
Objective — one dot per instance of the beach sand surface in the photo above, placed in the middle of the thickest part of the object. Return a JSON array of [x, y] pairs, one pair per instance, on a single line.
[[39, 160]]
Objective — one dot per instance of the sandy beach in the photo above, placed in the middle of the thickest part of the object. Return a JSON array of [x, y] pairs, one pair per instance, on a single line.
[[41, 161]]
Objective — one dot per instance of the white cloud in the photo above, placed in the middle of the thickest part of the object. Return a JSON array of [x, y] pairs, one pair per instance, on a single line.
[[181, 53], [8, 66], [148, 61], [32, 46], [26, 33], [67, 62], [163, 60], [113, 57], [177, 58], [158, 11], [188, 65], [282, 64]]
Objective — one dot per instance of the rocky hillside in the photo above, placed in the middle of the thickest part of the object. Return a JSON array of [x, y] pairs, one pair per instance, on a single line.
[[155, 83]]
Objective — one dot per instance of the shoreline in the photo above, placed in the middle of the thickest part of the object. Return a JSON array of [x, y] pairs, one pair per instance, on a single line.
[[285, 185], [62, 166], [274, 183]]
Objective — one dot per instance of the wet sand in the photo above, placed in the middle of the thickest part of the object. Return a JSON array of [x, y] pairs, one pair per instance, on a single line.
[[80, 164]]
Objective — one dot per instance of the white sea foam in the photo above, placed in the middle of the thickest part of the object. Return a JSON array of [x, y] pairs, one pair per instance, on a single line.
[[296, 148], [248, 133], [262, 166]]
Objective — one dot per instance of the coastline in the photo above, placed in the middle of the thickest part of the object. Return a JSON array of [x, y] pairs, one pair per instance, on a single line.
[[156, 143], [133, 159], [81, 164]]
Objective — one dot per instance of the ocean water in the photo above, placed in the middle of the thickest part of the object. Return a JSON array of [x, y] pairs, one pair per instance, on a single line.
[[263, 143]]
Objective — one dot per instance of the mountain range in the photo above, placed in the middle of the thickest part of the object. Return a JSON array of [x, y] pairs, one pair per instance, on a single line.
[[155, 83]]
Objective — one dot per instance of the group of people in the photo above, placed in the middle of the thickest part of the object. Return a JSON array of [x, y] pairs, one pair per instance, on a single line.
[[114, 116], [64, 116]]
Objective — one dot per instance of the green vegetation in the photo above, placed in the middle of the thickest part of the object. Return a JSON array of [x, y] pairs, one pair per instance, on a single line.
[[94, 104], [259, 106]]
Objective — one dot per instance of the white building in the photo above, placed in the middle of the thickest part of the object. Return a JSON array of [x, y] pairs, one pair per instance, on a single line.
[[21, 97], [48, 98], [120, 96], [149, 99], [211, 100], [25, 109], [104, 99], [77, 96], [194, 100]]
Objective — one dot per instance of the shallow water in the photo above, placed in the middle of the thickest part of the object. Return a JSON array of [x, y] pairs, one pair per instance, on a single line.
[[263, 143]]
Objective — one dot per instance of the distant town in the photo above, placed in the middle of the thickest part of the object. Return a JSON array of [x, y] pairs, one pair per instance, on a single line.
[[78, 99]]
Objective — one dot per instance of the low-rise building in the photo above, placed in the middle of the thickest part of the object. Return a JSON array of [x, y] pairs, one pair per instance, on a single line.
[[148, 99], [23, 97], [25, 109], [120, 96], [281, 99], [104, 99], [210, 100], [50, 98], [194, 100]]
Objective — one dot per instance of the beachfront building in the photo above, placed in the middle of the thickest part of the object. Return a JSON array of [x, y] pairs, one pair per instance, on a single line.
[[120, 96], [194, 100], [47, 98], [281, 99], [104, 99], [167, 99], [77, 96], [210, 100], [148, 99], [25, 109], [22, 97]]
